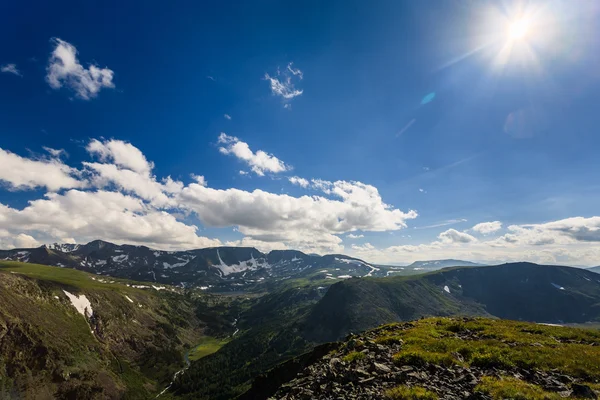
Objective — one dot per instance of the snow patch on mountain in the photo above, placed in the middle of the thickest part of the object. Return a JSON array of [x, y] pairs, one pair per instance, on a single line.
[[64, 247], [81, 304], [121, 258], [446, 289], [557, 286], [251, 264], [166, 265]]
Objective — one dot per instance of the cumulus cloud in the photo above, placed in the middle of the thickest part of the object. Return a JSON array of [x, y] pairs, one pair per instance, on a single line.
[[10, 69], [64, 69], [296, 180], [259, 162], [577, 228], [568, 242], [353, 236], [16, 241], [113, 216], [126, 167], [282, 84], [147, 187], [485, 228], [122, 154], [24, 173], [301, 222], [454, 236], [565, 231], [363, 248]]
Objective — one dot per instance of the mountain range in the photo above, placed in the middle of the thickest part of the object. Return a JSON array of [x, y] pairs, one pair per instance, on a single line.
[[215, 269], [438, 264]]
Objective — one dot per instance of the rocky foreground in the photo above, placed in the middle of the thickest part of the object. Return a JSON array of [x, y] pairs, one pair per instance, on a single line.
[[451, 359]]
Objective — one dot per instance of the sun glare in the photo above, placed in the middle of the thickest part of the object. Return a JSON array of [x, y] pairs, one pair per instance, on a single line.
[[519, 29]]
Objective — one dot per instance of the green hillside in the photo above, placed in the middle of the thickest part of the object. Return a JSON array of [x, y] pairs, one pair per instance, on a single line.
[[129, 348]]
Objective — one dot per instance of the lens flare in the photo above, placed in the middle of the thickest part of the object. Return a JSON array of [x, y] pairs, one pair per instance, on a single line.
[[519, 29]]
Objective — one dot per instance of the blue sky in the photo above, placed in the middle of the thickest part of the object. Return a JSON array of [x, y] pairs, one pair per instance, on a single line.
[[403, 124]]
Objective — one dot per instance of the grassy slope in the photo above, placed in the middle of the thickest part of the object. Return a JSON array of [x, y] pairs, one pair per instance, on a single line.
[[502, 344], [507, 352], [207, 346], [49, 350]]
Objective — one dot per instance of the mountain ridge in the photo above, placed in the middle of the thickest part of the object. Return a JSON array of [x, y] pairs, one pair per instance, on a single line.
[[215, 268], [444, 263]]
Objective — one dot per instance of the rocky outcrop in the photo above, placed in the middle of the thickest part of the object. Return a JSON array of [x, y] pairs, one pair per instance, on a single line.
[[364, 367]]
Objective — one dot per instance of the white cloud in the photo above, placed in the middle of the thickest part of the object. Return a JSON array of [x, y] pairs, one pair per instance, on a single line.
[[242, 172], [454, 236], [570, 241], [160, 194], [296, 180], [24, 173], [265, 247], [16, 241], [353, 236], [295, 71], [577, 228], [25, 241], [56, 153], [284, 88], [561, 232], [259, 162], [363, 248], [422, 190], [111, 216], [64, 69], [485, 228], [122, 154], [443, 223], [10, 69], [199, 179], [227, 116], [282, 84], [301, 222]]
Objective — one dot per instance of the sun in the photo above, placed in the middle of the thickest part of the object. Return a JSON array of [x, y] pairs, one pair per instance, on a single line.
[[519, 29]]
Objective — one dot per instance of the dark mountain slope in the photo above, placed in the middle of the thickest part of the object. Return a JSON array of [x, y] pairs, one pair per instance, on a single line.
[[520, 291], [217, 269]]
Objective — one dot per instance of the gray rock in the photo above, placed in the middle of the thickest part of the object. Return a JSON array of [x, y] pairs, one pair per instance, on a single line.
[[583, 391]]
